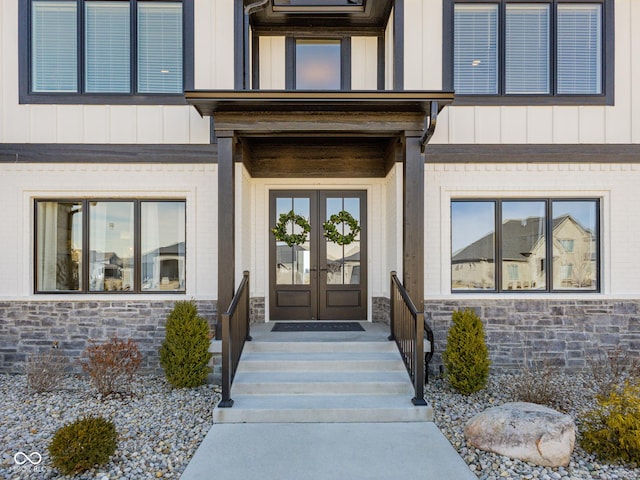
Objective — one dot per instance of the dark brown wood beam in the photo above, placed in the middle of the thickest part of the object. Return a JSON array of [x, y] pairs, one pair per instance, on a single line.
[[413, 221], [226, 224]]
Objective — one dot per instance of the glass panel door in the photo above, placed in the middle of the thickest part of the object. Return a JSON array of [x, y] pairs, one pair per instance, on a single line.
[[293, 279], [343, 276], [317, 272]]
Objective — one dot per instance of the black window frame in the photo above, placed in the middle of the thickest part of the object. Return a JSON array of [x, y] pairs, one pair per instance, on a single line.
[[606, 97], [497, 206], [27, 96], [312, 34], [137, 249]]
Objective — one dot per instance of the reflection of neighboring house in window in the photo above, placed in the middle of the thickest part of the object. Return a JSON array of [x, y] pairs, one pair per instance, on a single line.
[[523, 254], [163, 268], [108, 272]]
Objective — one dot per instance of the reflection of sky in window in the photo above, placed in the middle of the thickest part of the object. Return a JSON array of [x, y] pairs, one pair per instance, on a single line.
[[584, 212], [111, 228], [522, 210], [162, 224], [470, 221], [318, 65]]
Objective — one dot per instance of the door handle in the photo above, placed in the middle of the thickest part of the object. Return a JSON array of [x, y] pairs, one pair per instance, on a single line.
[[324, 269]]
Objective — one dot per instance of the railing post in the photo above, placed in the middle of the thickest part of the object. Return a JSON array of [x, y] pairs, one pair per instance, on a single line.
[[392, 306], [418, 375], [247, 306], [227, 362]]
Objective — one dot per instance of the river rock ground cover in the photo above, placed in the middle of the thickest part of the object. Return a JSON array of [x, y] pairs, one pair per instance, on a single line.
[[160, 428]]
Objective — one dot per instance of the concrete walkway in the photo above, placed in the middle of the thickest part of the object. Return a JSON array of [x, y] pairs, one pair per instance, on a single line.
[[321, 447], [327, 451]]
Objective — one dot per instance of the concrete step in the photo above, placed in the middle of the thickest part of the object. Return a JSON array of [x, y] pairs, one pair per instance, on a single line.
[[315, 383], [320, 361], [342, 382], [316, 347], [323, 409]]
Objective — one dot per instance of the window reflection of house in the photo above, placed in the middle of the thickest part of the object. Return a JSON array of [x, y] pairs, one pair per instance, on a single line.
[[109, 272], [293, 264], [163, 268], [523, 253]]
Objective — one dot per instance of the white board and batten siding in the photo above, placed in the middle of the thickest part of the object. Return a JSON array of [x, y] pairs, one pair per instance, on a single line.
[[144, 124], [527, 124]]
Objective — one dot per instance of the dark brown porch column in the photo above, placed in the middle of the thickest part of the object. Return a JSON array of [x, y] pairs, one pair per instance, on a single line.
[[413, 221], [226, 224]]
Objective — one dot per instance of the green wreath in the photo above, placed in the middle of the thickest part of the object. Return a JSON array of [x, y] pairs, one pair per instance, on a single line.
[[280, 230], [331, 232]]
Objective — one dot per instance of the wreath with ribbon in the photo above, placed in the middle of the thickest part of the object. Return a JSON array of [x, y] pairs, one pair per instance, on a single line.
[[331, 231], [291, 239]]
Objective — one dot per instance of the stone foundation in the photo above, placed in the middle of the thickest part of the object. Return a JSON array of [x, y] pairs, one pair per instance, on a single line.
[[563, 333], [380, 310], [33, 326]]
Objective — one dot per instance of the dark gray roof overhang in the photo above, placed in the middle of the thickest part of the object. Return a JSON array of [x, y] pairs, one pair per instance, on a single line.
[[277, 128], [209, 102]]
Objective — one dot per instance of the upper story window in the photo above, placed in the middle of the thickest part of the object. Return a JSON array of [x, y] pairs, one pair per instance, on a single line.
[[529, 51], [318, 64], [84, 48]]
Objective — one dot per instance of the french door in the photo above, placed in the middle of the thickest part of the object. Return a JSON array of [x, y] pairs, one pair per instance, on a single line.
[[312, 277]]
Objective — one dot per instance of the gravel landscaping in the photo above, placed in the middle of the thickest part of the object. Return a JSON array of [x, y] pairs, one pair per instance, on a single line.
[[160, 428], [575, 395]]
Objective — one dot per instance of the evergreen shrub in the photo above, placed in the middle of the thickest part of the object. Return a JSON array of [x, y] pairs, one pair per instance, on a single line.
[[612, 429], [80, 445], [466, 357], [184, 354]]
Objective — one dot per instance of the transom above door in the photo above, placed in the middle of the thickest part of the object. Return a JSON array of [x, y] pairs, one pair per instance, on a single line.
[[318, 264]]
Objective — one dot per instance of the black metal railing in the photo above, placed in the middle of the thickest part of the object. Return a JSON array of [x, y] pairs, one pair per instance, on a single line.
[[407, 329], [235, 331]]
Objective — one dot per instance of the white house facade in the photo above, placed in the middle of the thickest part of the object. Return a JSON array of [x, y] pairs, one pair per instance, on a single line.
[[486, 150]]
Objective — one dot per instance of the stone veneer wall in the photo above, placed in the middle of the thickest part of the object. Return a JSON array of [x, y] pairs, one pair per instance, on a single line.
[[31, 326], [564, 333]]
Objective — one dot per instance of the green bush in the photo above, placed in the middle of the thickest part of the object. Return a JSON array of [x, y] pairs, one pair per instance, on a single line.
[[184, 354], [612, 429], [466, 357], [80, 445]]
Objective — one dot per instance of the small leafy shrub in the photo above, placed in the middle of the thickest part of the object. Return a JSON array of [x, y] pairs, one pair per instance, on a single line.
[[46, 370], [539, 384], [466, 357], [80, 445], [614, 367], [184, 354], [111, 365], [612, 429]]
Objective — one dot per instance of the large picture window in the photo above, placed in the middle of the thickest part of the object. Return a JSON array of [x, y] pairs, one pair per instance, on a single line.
[[110, 246], [540, 245], [111, 47], [546, 48]]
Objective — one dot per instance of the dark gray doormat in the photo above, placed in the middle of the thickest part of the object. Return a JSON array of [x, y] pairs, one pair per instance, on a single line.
[[317, 327]]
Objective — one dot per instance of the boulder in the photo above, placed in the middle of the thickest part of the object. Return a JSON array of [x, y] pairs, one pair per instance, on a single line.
[[525, 431]]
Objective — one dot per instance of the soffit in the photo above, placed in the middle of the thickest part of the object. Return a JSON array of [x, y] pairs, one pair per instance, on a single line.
[[319, 13]]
